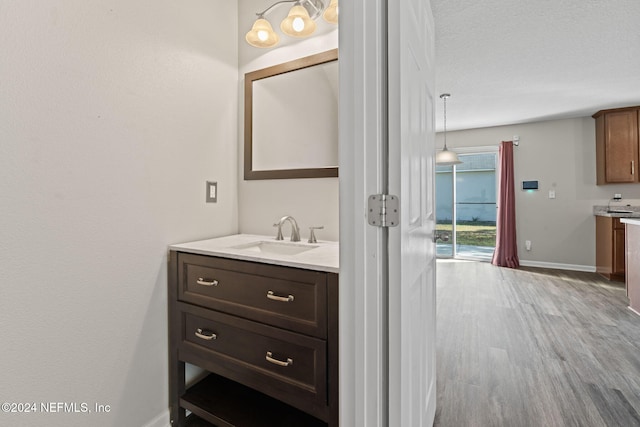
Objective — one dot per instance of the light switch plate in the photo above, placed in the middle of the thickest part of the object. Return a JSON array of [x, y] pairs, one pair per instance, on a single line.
[[212, 192]]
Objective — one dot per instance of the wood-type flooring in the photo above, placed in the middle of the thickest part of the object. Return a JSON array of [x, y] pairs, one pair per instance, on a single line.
[[534, 347]]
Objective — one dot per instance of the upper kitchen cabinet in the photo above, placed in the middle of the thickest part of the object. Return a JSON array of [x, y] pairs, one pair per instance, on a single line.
[[617, 145]]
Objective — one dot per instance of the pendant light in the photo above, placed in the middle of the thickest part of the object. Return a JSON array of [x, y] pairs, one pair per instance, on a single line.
[[298, 23], [446, 157]]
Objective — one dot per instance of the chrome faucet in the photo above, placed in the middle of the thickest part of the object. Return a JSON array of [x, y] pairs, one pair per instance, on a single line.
[[295, 231]]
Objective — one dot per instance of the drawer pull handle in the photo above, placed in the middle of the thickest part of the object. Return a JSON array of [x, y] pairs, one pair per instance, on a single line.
[[206, 282], [275, 297], [270, 358], [205, 334]]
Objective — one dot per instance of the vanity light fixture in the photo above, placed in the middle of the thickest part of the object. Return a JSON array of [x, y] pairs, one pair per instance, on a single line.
[[446, 157], [300, 21]]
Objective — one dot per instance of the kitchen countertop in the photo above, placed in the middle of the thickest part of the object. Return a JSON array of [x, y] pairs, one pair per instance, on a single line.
[[607, 211], [323, 257], [631, 221]]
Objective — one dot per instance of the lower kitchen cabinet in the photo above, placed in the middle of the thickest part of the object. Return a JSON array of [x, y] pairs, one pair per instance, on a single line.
[[610, 248], [267, 336]]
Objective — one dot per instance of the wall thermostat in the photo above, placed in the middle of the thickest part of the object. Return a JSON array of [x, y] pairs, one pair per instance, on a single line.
[[529, 185]]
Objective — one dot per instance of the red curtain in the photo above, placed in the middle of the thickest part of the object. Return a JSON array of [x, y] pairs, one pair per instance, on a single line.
[[506, 253]]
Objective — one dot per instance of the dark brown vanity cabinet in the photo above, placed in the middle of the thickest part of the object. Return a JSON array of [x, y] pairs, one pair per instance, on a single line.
[[266, 334]]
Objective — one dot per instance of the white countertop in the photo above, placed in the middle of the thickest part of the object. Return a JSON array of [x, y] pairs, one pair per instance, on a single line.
[[323, 257], [630, 221]]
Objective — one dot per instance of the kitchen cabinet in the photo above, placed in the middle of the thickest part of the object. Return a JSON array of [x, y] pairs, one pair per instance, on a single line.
[[610, 248], [617, 145], [267, 336]]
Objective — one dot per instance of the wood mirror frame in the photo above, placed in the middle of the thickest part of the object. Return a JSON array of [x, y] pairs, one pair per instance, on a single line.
[[249, 79]]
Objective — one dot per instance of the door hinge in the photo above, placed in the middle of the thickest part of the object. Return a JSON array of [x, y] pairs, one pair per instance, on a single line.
[[383, 210]]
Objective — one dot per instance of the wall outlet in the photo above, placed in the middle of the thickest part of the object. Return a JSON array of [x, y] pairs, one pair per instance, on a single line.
[[527, 244], [617, 196]]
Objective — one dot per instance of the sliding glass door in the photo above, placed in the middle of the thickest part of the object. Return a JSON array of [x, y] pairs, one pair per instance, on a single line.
[[466, 206], [445, 206]]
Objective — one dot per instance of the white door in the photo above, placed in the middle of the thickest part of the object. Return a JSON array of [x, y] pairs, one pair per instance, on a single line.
[[387, 276], [412, 304]]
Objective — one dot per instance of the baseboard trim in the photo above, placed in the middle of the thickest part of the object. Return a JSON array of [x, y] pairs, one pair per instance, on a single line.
[[558, 266], [162, 420]]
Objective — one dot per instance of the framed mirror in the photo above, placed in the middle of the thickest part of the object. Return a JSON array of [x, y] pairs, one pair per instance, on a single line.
[[291, 119]]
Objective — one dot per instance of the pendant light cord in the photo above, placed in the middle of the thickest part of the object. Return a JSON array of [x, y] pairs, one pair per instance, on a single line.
[[445, 122], [446, 157], [444, 97]]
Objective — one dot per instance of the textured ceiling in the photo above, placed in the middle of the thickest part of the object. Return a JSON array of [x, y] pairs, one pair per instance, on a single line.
[[507, 62]]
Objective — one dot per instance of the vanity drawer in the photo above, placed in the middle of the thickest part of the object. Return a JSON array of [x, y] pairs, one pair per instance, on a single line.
[[285, 365], [290, 298]]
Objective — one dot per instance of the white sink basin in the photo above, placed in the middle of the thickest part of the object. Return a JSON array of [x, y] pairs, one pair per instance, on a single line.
[[276, 248]]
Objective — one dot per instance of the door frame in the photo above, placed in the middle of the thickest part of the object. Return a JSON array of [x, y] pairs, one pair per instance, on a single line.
[[362, 290]]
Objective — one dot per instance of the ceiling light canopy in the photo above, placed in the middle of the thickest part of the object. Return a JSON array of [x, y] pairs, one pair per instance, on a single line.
[[446, 157], [300, 22]]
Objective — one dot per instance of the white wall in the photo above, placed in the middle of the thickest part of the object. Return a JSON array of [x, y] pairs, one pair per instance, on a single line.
[[311, 201], [113, 114], [561, 156]]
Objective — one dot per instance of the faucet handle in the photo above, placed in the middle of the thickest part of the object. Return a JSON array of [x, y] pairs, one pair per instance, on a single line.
[[312, 234], [279, 235]]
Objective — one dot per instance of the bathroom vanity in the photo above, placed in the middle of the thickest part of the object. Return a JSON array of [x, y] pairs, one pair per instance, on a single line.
[[260, 316]]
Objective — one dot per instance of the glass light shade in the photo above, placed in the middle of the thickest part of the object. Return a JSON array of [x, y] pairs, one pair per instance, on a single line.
[[298, 23], [262, 34], [446, 158], [331, 13]]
